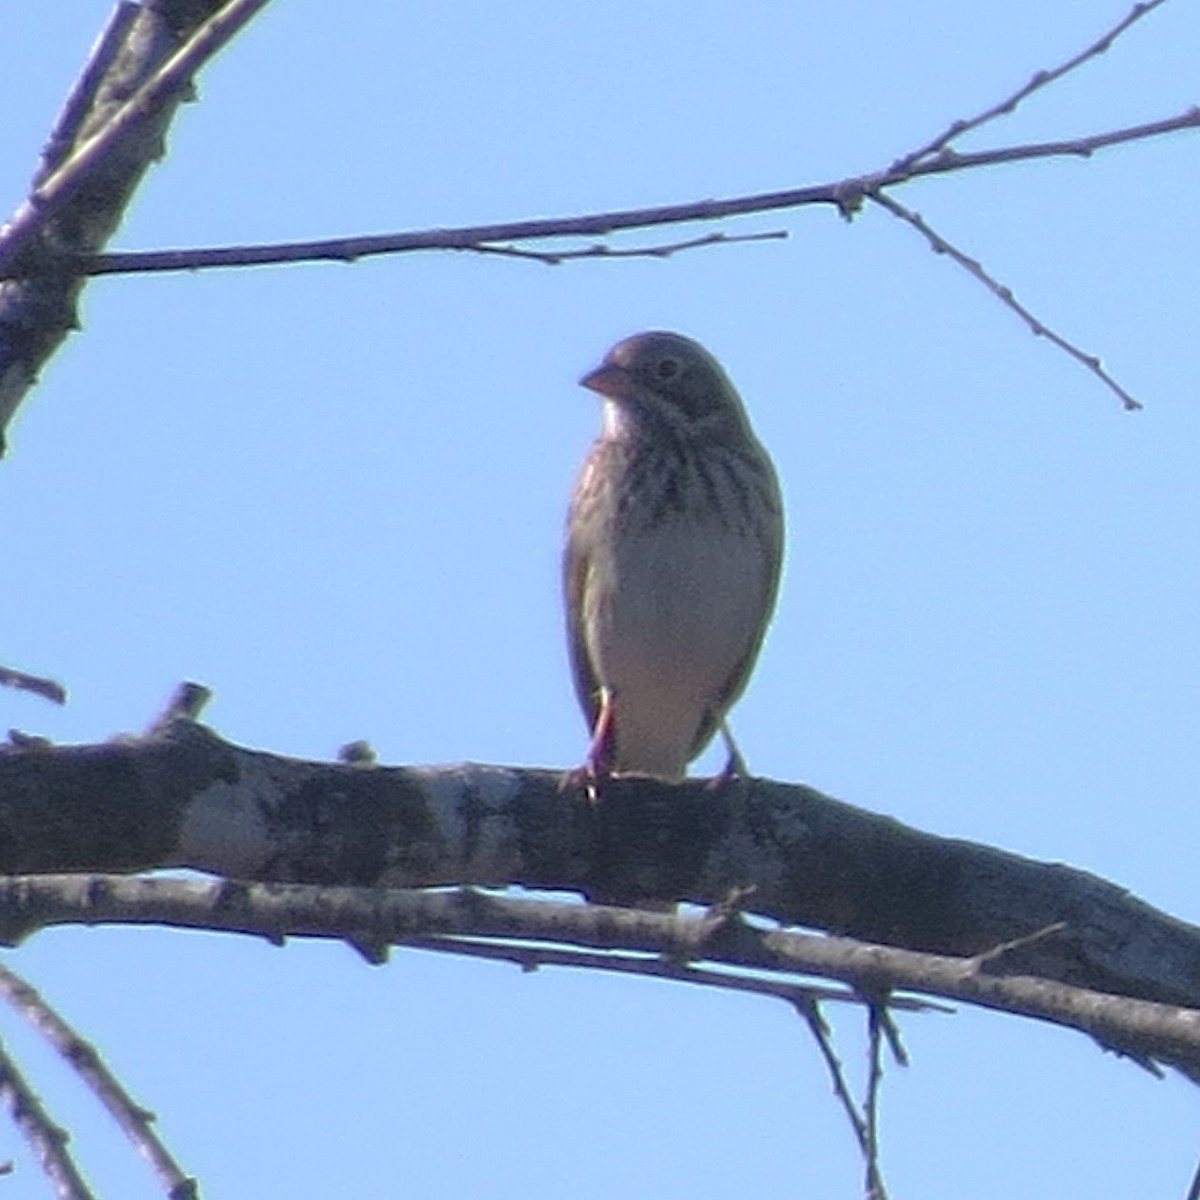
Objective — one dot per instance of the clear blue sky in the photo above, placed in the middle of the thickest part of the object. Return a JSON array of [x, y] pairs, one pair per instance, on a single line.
[[334, 494]]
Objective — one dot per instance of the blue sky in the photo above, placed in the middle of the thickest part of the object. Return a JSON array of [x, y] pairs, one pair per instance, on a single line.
[[335, 495]]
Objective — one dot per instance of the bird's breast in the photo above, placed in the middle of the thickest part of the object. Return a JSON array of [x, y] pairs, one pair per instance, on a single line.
[[671, 616]]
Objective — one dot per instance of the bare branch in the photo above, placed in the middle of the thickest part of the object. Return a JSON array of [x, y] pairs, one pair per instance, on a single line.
[[875, 1189], [48, 1140], [101, 148], [994, 959], [1040, 80], [46, 688], [34, 320], [891, 1031], [184, 797], [603, 250], [134, 1120], [533, 958], [83, 92], [845, 195], [823, 1036], [385, 916], [1004, 294], [173, 76]]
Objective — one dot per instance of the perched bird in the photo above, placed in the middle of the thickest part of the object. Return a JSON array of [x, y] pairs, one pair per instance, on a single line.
[[673, 549]]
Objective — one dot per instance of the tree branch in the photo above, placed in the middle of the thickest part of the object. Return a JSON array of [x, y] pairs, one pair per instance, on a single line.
[[989, 928], [180, 796], [846, 195], [1004, 294], [104, 142], [1143, 1030], [111, 129], [873, 1183], [135, 1121], [823, 1036], [864, 1133], [97, 143], [533, 958], [1040, 79], [46, 688], [47, 1140], [555, 258], [79, 100]]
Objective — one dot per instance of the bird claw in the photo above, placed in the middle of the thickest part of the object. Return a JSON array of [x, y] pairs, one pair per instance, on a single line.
[[595, 767], [588, 776], [735, 769]]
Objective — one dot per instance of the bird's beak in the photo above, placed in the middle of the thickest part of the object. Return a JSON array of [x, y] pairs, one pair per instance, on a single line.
[[608, 379]]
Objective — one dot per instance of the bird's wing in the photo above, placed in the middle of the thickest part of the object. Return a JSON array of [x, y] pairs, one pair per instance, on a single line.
[[576, 567], [738, 678]]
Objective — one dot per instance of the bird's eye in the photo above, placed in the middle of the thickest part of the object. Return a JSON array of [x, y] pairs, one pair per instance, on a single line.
[[667, 369]]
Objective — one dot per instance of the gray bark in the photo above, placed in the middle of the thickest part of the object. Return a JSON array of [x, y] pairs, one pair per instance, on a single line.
[[182, 797], [38, 310]]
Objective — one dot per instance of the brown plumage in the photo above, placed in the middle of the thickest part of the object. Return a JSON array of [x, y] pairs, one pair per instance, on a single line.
[[674, 545]]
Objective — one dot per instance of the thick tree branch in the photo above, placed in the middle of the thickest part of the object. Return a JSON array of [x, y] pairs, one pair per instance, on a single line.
[[96, 142], [111, 129], [182, 797]]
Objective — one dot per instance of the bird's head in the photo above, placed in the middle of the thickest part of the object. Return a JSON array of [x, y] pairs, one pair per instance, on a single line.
[[665, 383]]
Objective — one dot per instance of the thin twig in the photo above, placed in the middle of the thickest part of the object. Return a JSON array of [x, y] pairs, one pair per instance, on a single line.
[[875, 1189], [554, 258], [1079, 147], [1002, 950], [891, 1031], [846, 196], [55, 190], [47, 1140], [134, 1120], [1040, 80], [837, 1075], [531, 958], [843, 195], [46, 688], [1004, 294], [860, 1122]]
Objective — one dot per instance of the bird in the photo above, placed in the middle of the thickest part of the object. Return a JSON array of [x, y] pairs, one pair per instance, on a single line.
[[673, 550]]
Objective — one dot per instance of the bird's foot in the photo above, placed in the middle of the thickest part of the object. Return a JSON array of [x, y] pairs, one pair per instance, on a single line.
[[596, 768], [735, 769], [588, 775]]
